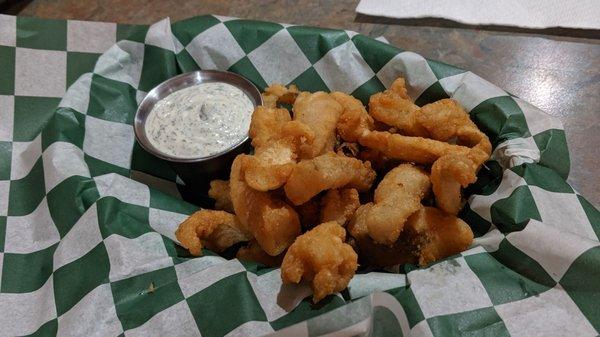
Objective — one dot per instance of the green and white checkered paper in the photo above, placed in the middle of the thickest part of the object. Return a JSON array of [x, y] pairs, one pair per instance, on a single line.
[[87, 217]]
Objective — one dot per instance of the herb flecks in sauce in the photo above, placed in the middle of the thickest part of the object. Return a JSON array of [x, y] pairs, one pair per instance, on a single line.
[[199, 121]]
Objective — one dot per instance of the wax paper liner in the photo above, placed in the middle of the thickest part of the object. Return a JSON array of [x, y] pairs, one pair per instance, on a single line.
[[88, 249]]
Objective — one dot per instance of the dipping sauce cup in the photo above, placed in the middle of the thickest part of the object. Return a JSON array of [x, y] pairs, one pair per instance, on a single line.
[[195, 172]]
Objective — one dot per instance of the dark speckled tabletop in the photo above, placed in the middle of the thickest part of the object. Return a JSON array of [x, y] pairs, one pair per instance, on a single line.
[[565, 69]]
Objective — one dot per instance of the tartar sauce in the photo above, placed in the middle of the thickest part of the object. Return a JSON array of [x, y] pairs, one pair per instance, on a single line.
[[200, 120]]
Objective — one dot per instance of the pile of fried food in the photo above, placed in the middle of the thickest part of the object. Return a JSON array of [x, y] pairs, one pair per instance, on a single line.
[[307, 199]]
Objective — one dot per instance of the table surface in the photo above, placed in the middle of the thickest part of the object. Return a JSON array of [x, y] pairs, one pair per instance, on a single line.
[[565, 70]]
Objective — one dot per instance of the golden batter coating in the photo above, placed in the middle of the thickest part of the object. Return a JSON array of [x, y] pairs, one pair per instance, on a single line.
[[396, 198], [273, 223], [217, 230], [278, 93], [441, 234], [412, 149], [326, 172], [320, 112], [354, 120], [276, 140], [372, 253], [394, 108], [321, 257]]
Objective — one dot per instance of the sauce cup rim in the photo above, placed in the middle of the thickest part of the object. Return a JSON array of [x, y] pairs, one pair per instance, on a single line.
[[183, 81]]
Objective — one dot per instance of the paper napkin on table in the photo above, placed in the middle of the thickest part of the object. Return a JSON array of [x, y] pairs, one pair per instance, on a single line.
[[522, 13]]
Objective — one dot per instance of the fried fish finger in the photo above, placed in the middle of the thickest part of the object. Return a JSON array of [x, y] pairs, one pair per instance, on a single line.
[[448, 175], [446, 120], [273, 223], [276, 140], [396, 198], [217, 230], [439, 233], [413, 149], [394, 108], [320, 112], [321, 257], [354, 120], [327, 171], [429, 235], [276, 93], [372, 253]]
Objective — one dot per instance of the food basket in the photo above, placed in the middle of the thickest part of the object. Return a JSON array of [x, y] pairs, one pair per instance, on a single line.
[[88, 242]]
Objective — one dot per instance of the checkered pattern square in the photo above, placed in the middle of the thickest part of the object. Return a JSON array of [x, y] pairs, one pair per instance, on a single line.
[[451, 83], [7, 108], [122, 63], [413, 67], [32, 232], [473, 90], [280, 46], [573, 218], [62, 160], [78, 94], [87, 242], [176, 320], [4, 189], [24, 156], [34, 77], [79, 33], [8, 26], [141, 297], [82, 238], [31, 115], [448, 287], [160, 35], [341, 71], [108, 141], [552, 313], [7, 66], [217, 40], [469, 321], [239, 31], [95, 306], [132, 257], [37, 306]]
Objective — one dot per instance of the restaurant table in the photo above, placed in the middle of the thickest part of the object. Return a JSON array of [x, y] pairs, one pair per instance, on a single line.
[[564, 68]]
